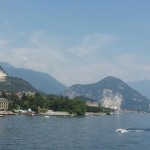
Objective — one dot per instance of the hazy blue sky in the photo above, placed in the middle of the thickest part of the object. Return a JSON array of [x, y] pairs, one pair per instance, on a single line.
[[77, 41]]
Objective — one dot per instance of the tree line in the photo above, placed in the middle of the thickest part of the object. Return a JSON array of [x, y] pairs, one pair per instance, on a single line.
[[39, 103]]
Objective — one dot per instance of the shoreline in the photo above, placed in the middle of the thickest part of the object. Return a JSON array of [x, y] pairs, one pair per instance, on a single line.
[[56, 113], [7, 113], [61, 113]]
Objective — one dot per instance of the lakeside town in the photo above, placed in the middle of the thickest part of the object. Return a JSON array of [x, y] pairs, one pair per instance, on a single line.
[[31, 103]]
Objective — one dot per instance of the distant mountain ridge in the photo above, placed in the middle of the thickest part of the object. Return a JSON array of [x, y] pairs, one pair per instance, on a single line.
[[111, 92], [143, 86], [40, 81]]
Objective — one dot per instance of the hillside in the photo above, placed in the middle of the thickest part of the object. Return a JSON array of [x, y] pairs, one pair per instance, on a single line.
[[111, 92], [40, 81], [13, 84]]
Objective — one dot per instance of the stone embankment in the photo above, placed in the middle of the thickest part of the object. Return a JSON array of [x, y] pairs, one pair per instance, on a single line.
[[56, 113], [94, 114], [60, 113], [7, 113]]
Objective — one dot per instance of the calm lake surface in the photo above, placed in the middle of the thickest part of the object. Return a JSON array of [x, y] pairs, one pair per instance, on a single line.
[[75, 133]]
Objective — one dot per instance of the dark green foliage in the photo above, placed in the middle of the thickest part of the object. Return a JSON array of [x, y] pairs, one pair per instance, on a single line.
[[52, 102], [14, 102], [3, 94], [94, 109], [99, 109], [75, 106]]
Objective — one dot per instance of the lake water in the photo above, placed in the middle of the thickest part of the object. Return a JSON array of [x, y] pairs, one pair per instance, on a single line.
[[75, 133]]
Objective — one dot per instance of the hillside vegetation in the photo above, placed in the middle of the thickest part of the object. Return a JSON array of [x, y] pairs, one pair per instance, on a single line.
[[52, 102]]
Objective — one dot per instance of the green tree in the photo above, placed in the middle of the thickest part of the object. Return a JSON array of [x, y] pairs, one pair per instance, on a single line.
[[3, 95], [78, 107]]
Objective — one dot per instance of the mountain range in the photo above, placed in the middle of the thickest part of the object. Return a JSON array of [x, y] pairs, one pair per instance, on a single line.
[[111, 92], [41, 81]]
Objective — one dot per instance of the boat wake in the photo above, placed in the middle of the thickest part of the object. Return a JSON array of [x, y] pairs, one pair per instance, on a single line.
[[121, 130]]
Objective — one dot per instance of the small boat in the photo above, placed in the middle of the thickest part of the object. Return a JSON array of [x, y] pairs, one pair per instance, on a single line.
[[46, 116], [121, 130], [1, 115], [30, 112]]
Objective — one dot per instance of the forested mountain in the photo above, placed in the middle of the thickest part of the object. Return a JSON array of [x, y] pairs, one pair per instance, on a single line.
[[111, 92]]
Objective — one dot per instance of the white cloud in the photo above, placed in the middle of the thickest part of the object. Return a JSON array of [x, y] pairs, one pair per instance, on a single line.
[[88, 73], [92, 43], [126, 67], [41, 55], [136, 67], [83, 63], [4, 43]]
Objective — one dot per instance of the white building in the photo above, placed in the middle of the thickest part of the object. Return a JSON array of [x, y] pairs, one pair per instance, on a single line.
[[94, 104], [3, 104]]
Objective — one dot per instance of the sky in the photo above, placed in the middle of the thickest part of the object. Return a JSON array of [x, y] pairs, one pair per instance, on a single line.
[[77, 41]]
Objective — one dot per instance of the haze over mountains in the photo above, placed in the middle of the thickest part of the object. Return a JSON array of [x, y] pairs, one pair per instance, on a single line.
[[40, 81], [142, 86], [111, 92]]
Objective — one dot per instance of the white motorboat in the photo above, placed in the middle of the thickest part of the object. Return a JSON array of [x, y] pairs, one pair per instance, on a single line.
[[121, 130]]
